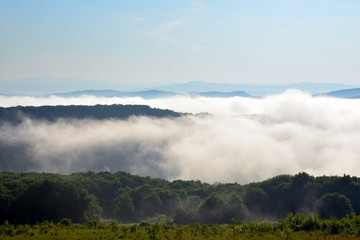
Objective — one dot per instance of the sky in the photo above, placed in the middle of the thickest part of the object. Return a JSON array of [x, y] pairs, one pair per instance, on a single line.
[[168, 41]]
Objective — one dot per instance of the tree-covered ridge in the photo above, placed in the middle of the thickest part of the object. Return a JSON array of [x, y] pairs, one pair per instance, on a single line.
[[52, 113], [85, 196]]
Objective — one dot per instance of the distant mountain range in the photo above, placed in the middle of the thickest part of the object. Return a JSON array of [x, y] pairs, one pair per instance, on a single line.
[[114, 93], [344, 93], [150, 94], [47, 85], [254, 90], [221, 94]]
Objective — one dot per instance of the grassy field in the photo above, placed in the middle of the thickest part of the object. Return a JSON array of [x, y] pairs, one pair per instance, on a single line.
[[291, 227]]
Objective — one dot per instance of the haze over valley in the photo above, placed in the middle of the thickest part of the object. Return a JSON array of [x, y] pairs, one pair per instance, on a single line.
[[233, 139]]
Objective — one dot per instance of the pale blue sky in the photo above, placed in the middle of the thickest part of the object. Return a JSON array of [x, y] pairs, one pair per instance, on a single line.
[[162, 41]]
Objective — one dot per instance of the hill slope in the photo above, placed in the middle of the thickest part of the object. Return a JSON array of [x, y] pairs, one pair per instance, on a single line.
[[52, 113], [345, 93]]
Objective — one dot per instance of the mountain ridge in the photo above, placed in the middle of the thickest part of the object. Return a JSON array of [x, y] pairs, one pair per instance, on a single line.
[[351, 93], [149, 94], [46, 85]]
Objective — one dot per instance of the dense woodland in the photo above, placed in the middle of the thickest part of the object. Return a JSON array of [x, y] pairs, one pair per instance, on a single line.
[[99, 112], [27, 198]]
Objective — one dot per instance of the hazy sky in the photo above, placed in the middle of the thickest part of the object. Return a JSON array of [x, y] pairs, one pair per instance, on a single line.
[[159, 41]]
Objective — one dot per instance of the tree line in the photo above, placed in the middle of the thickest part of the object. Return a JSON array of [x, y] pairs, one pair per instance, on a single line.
[[16, 114], [27, 198]]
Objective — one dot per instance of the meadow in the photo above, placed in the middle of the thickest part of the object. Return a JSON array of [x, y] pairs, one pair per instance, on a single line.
[[291, 227]]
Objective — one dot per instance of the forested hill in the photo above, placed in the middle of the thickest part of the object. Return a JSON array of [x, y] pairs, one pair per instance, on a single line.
[[52, 113], [33, 197]]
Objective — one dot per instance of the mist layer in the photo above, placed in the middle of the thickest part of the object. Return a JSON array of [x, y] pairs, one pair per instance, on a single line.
[[241, 139]]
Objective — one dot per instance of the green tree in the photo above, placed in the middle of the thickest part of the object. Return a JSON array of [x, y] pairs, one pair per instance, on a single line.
[[193, 202], [146, 201], [255, 199], [333, 205], [211, 210], [185, 216], [235, 209], [54, 201], [123, 206]]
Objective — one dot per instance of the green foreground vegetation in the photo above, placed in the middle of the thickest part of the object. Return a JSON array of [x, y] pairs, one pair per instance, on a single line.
[[28, 198], [291, 227], [54, 206]]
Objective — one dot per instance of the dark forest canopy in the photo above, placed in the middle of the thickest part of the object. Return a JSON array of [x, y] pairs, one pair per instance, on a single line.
[[99, 112], [85, 196]]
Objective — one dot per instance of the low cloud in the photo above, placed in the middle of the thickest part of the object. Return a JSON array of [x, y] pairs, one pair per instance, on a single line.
[[242, 139]]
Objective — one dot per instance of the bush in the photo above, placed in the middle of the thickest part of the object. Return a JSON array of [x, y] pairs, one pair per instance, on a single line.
[[65, 222]]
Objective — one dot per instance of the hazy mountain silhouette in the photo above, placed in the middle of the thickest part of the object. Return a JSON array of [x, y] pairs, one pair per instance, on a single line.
[[46, 85], [221, 94], [114, 93], [344, 93], [255, 90], [150, 94]]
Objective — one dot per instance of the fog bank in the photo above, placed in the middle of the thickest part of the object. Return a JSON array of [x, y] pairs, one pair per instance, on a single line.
[[242, 140]]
